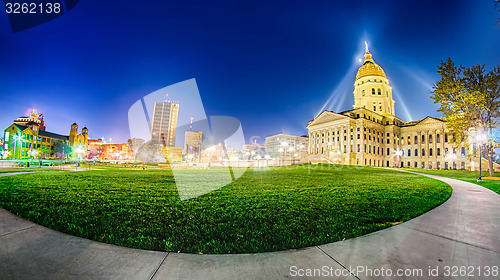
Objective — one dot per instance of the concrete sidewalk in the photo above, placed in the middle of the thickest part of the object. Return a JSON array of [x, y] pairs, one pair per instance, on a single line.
[[463, 232]]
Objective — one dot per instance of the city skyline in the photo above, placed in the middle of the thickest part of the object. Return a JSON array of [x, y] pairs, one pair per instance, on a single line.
[[283, 61]]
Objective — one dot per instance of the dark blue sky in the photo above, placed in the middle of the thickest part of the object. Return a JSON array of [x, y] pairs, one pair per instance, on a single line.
[[274, 65]]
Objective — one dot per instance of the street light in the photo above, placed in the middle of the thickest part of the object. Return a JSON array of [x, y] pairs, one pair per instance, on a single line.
[[267, 159], [210, 149], [16, 138], [398, 153], [281, 155], [480, 138]]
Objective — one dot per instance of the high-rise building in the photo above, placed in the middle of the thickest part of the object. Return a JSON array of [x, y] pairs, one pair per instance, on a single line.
[[192, 145], [164, 123], [285, 145]]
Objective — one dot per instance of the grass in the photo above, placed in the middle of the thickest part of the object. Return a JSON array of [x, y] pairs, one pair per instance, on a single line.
[[464, 175], [267, 210], [34, 169]]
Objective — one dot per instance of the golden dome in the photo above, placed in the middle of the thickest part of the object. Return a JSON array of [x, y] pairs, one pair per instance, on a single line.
[[369, 68]]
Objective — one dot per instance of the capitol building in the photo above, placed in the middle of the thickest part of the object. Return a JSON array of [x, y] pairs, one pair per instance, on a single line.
[[372, 135]]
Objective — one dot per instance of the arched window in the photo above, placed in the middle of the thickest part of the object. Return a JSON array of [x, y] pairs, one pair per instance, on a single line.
[[423, 139], [438, 139], [463, 151], [416, 139], [373, 91], [430, 152], [379, 92], [409, 152], [416, 152], [363, 92], [423, 152], [430, 138], [446, 137], [438, 151]]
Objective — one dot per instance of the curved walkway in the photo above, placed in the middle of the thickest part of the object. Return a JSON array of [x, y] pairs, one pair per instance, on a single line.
[[464, 231]]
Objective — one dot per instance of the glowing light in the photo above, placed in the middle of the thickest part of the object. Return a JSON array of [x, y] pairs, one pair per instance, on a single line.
[[360, 60], [366, 46]]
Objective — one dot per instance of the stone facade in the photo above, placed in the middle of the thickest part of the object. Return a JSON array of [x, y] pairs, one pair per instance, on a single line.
[[372, 135]]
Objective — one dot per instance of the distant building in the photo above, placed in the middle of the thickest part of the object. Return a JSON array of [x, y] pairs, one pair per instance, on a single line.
[[164, 123], [33, 117], [76, 139], [217, 153], [172, 154], [252, 151], [108, 151], [25, 136], [286, 146], [192, 145], [371, 134]]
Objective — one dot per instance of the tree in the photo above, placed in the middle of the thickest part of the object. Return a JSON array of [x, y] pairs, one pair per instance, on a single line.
[[62, 148], [469, 98], [60, 156], [42, 152], [497, 6], [91, 155], [149, 153], [134, 145]]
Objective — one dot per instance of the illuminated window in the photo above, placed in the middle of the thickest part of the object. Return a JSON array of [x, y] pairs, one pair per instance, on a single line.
[[373, 91], [379, 92]]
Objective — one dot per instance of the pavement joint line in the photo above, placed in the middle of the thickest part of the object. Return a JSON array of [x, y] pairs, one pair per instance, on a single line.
[[350, 272], [158, 268], [17, 230], [462, 242]]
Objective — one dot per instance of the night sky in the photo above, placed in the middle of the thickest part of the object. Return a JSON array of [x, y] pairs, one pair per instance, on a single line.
[[274, 66]]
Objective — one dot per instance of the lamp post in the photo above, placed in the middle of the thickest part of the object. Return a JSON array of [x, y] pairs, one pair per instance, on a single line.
[[16, 138], [210, 149], [480, 137], [78, 150], [283, 151], [258, 161], [399, 153]]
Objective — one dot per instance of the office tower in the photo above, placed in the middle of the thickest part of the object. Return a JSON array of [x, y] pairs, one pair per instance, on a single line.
[[164, 123]]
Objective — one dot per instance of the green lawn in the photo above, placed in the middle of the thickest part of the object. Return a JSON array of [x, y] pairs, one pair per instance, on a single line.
[[31, 169], [267, 210], [464, 175]]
